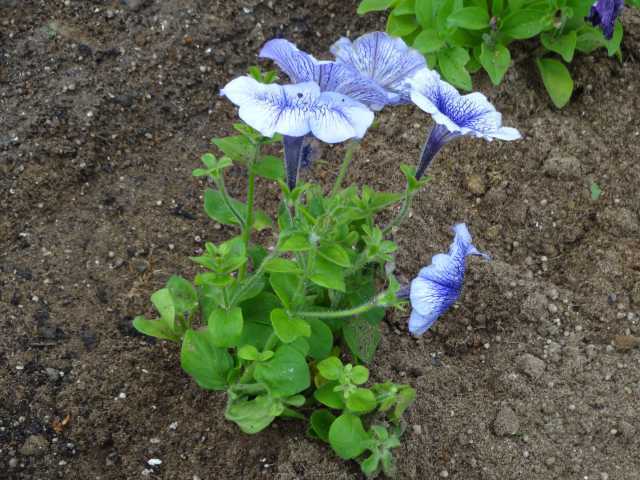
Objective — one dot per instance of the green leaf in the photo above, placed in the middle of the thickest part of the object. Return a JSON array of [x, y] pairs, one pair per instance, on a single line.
[[370, 466], [557, 80], [362, 338], [328, 275], [496, 62], [269, 167], [348, 437], [296, 242], [254, 415], [471, 18], [404, 7], [589, 39], [522, 24], [565, 45], [286, 286], [496, 7], [288, 329], [321, 340], [361, 401], [216, 209], [359, 375], [330, 368], [335, 254], [248, 352], [328, 397], [596, 191], [183, 293], [404, 398], [155, 328], [399, 26], [225, 326], [207, 364], [613, 45], [237, 147], [428, 41], [444, 9], [425, 13], [367, 6], [452, 63], [320, 423], [282, 265], [285, 374], [163, 301]]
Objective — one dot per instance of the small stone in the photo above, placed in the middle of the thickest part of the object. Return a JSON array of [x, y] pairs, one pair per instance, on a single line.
[[635, 294], [506, 422], [627, 430], [173, 426], [134, 5], [140, 264], [531, 365], [109, 14], [625, 343], [13, 463], [34, 445], [476, 184], [444, 474], [562, 167], [53, 374], [417, 429], [154, 462]]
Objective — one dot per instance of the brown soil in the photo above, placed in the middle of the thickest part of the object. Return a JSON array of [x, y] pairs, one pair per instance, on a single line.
[[105, 107]]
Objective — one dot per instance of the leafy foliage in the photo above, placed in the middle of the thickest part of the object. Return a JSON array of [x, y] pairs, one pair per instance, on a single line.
[[272, 327], [460, 37]]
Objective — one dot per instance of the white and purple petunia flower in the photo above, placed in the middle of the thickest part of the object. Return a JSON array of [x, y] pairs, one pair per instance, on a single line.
[[604, 13], [386, 60], [330, 76], [439, 285], [454, 114]]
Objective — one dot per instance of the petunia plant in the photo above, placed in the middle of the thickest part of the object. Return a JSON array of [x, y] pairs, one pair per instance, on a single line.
[[460, 37], [287, 325]]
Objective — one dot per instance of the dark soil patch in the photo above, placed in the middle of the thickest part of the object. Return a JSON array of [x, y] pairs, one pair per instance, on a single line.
[[105, 107]]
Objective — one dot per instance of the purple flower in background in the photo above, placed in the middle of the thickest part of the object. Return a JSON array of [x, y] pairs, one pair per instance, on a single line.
[[455, 115], [330, 76], [386, 60], [604, 13], [295, 111], [439, 285]]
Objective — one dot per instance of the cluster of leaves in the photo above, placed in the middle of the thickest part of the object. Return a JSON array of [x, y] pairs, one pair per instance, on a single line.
[[459, 37], [270, 326]]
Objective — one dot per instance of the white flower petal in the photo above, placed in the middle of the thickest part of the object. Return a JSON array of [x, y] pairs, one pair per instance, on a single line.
[[336, 118]]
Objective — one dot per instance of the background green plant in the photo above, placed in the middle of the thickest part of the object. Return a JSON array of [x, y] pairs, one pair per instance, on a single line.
[[460, 37], [272, 326]]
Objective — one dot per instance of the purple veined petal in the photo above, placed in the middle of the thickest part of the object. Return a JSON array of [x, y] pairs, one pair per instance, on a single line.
[[336, 118], [418, 324], [604, 13], [273, 108], [470, 114], [298, 65], [438, 286], [386, 60], [336, 77]]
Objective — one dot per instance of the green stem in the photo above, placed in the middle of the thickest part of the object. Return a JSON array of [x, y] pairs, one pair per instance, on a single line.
[[365, 307], [226, 199], [248, 388], [404, 211], [246, 231], [254, 278], [346, 161]]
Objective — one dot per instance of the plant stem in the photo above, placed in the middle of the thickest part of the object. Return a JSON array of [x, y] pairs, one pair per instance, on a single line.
[[226, 199], [404, 210], [365, 307], [246, 231], [346, 161], [253, 279]]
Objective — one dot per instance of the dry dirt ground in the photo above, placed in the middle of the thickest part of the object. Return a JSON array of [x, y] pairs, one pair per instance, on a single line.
[[105, 108]]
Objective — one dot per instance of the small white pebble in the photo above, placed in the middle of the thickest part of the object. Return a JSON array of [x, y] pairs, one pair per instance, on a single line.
[[173, 426], [444, 474], [122, 395], [154, 462]]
